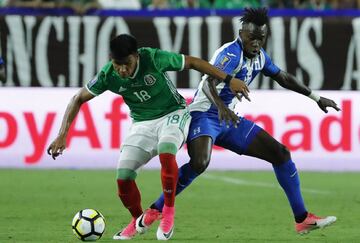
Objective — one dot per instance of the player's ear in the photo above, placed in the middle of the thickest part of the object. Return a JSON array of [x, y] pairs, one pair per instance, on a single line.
[[241, 33]]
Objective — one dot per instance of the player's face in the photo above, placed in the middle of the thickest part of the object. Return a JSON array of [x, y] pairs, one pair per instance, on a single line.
[[127, 66], [253, 38]]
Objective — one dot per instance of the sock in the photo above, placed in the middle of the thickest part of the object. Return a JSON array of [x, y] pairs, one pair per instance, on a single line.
[[186, 176], [169, 176], [301, 218], [288, 178], [130, 196]]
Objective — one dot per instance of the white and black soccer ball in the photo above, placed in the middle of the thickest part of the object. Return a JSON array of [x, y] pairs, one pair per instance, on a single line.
[[88, 225]]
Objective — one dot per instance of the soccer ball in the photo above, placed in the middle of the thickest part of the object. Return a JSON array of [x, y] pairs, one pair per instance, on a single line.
[[88, 224]]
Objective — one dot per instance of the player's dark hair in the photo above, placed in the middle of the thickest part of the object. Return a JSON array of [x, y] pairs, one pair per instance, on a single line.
[[122, 46], [258, 16]]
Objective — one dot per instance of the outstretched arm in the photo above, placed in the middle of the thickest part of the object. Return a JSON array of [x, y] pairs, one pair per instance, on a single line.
[[236, 85], [288, 81], [58, 145], [225, 114]]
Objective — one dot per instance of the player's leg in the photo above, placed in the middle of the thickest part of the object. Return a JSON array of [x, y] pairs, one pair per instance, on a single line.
[[199, 151], [172, 136], [202, 132], [131, 159], [169, 175], [137, 149], [265, 147], [251, 140], [173, 133]]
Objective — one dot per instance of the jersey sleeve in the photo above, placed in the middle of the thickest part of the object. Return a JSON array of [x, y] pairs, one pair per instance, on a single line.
[[226, 61], [169, 61], [1, 61], [269, 69], [97, 85]]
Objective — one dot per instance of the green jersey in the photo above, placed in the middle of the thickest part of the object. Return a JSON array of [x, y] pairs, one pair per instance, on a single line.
[[149, 93]]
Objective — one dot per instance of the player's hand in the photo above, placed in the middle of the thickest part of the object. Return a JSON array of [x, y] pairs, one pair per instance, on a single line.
[[325, 102], [238, 86], [228, 116], [57, 147]]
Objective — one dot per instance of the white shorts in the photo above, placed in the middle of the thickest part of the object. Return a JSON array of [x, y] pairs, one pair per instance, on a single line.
[[146, 135]]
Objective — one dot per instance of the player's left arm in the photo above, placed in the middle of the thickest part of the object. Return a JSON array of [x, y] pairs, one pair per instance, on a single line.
[[224, 113], [288, 81]]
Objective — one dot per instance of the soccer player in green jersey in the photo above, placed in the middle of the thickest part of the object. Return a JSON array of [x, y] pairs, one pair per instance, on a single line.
[[160, 119]]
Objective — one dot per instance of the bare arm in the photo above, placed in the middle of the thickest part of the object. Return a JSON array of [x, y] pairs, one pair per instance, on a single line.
[[82, 96], [204, 67], [288, 81], [211, 93], [225, 114], [58, 145], [236, 85]]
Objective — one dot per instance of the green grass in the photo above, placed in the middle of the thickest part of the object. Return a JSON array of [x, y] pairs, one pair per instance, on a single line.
[[38, 206]]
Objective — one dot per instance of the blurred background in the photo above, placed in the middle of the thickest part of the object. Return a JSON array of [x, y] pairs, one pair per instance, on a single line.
[[51, 48], [82, 6]]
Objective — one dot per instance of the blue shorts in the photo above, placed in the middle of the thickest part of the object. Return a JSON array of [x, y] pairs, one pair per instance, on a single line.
[[236, 139]]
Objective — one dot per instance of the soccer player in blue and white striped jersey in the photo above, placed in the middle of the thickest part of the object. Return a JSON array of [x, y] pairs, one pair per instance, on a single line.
[[244, 58]]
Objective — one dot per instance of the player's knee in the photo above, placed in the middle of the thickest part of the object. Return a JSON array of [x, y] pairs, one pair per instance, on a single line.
[[125, 174], [200, 162], [167, 147], [283, 155]]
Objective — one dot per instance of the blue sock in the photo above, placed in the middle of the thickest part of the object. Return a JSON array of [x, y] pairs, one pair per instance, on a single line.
[[186, 176], [288, 178]]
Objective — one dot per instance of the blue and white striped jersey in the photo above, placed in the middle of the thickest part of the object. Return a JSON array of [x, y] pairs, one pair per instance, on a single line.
[[230, 59]]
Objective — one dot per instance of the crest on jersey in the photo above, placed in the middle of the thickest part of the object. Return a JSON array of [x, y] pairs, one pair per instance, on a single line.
[[149, 79], [224, 61], [92, 82]]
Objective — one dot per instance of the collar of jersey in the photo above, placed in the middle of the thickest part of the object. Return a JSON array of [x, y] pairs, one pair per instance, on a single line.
[[137, 68]]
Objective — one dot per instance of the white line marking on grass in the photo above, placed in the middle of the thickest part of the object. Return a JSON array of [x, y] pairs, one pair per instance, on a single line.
[[257, 183]]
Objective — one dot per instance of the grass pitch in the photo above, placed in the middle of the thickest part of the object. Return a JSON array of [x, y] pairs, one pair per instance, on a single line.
[[38, 206]]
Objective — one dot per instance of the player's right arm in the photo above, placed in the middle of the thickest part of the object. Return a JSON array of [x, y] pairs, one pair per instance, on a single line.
[[224, 113], [58, 145]]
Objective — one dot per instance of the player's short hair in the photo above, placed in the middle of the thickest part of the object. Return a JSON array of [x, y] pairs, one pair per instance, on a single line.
[[258, 16], [122, 46]]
